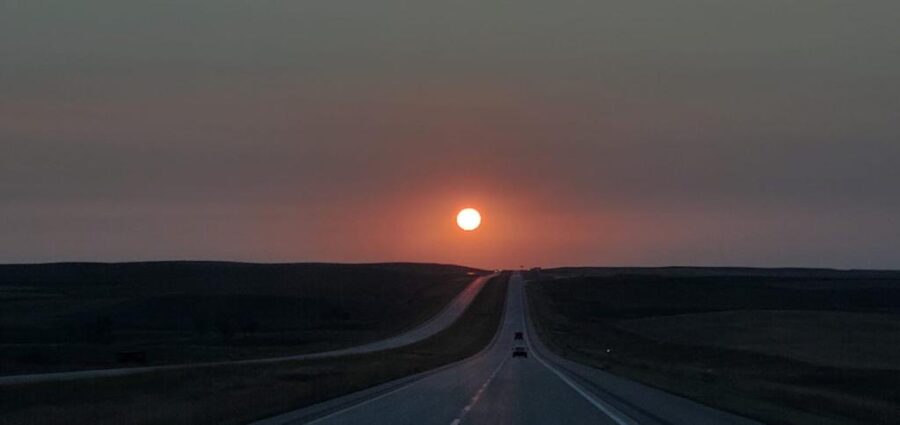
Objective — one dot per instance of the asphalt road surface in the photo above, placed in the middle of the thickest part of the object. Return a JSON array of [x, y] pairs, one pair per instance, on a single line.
[[439, 322], [495, 388]]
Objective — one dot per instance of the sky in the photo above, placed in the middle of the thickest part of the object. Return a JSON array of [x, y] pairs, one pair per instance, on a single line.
[[608, 133]]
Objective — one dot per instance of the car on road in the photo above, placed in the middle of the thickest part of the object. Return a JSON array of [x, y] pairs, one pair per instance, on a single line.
[[520, 352], [518, 336]]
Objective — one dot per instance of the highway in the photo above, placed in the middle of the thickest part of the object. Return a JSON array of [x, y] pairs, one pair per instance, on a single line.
[[439, 322], [495, 388]]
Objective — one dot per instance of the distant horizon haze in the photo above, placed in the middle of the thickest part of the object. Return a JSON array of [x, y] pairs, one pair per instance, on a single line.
[[651, 133]]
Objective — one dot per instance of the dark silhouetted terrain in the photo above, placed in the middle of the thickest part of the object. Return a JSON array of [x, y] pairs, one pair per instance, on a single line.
[[239, 393], [79, 315], [786, 346]]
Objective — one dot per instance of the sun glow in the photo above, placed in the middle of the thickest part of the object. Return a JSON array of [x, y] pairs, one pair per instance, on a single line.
[[468, 219]]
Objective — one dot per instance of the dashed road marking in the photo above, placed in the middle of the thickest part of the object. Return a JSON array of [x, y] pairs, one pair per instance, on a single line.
[[477, 395]]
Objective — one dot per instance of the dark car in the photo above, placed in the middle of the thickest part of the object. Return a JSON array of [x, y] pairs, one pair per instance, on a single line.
[[518, 336], [520, 352]]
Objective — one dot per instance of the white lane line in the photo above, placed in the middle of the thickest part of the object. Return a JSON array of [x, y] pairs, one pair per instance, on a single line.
[[490, 345], [477, 396], [613, 413]]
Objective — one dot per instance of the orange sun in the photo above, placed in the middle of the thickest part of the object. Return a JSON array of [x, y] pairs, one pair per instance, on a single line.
[[468, 219]]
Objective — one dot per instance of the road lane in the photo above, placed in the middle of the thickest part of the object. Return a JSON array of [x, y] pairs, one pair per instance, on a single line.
[[439, 322], [472, 391], [525, 393], [495, 388]]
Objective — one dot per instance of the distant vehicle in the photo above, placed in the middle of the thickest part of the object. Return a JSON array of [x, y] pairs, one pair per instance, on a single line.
[[518, 336], [520, 352]]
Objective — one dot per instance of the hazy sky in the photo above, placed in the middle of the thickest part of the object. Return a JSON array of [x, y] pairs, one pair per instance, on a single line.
[[762, 132]]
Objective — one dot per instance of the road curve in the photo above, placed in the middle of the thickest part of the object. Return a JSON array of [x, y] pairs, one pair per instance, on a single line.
[[494, 388], [439, 322]]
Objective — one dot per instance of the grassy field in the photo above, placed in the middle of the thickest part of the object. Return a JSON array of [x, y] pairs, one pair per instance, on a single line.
[[79, 315], [781, 346], [240, 394]]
